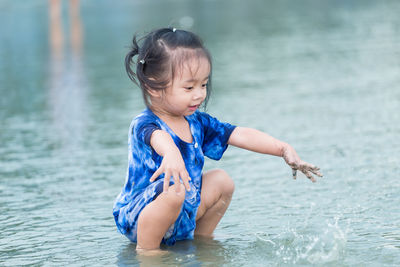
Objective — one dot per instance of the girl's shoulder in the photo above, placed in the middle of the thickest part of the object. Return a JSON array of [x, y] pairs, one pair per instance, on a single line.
[[146, 117], [208, 121], [199, 116], [203, 118]]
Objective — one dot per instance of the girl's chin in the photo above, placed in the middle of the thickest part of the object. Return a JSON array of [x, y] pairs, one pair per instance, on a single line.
[[191, 111]]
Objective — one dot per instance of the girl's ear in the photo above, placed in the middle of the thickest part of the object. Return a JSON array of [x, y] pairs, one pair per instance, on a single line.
[[154, 93]]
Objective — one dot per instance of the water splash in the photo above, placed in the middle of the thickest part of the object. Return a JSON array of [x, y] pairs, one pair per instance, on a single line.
[[305, 245]]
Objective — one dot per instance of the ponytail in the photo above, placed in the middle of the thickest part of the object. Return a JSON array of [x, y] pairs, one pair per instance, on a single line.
[[129, 61]]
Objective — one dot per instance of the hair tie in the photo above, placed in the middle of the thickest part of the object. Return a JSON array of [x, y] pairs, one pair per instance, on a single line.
[[173, 29], [142, 61]]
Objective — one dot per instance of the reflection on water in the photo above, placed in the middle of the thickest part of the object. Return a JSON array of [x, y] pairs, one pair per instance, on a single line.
[[321, 75], [67, 81], [198, 252]]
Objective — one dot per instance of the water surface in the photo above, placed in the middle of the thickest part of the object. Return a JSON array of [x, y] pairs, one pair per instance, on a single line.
[[324, 77]]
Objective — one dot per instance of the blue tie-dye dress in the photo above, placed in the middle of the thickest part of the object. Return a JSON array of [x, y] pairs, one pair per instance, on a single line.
[[210, 138]]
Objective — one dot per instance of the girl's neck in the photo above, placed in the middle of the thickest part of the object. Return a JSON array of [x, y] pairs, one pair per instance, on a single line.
[[165, 116], [178, 124]]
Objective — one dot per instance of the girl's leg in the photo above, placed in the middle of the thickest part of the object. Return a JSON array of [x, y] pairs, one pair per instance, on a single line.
[[157, 217], [216, 194]]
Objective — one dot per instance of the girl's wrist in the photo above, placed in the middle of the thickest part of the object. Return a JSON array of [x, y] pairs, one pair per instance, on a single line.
[[173, 150], [284, 148]]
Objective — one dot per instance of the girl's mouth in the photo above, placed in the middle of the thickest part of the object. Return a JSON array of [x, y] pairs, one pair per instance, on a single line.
[[193, 108]]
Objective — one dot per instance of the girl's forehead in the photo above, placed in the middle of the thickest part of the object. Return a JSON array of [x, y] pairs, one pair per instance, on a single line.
[[194, 68]]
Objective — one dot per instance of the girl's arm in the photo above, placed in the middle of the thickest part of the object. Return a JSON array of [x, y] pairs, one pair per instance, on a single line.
[[172, 163], [260, 142]]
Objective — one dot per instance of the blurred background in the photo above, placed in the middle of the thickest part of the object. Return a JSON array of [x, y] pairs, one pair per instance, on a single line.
[[323, 76]]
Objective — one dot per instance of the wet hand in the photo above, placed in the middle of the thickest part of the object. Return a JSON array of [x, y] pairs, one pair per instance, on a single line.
[[173, 165], [294, 161]]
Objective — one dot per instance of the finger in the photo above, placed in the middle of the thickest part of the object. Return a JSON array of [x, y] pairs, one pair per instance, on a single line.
[[316, 168], [177, 182], [317, 173], [306, 165], [311, 167], [185, 179], [167, 177], [309, 176], [156, 174]]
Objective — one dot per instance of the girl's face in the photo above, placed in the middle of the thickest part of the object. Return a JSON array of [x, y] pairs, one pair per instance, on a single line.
[[187, 90]]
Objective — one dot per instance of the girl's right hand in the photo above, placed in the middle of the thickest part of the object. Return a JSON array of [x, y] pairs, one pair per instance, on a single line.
[[173, 165]]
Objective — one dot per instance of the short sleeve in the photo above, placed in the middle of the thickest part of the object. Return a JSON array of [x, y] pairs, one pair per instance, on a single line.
[[216, 136], [148, 131], [142, 128], [145, 131]]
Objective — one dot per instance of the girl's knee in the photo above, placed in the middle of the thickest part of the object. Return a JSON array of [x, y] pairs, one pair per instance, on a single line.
[[165, 205], [225, 181], [175, 199]]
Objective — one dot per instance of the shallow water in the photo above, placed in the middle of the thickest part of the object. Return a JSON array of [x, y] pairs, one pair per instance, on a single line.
[[324, 77]]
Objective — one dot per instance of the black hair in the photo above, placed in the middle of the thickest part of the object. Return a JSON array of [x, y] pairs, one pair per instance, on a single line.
[[158, 55]]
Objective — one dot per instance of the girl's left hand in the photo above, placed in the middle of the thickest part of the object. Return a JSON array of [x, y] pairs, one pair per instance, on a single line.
[[294, 161]]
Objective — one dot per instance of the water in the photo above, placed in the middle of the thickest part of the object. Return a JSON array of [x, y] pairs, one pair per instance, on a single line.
[[324, 77]]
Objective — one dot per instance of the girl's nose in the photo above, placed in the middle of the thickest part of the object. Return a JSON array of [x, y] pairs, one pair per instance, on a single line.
[[199, 93]]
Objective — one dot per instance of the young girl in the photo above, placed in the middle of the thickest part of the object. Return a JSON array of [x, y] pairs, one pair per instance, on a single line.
[[166, 196]]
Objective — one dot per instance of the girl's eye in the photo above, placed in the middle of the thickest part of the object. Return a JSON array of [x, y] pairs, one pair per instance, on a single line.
[[189, 88], [204, 85]]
